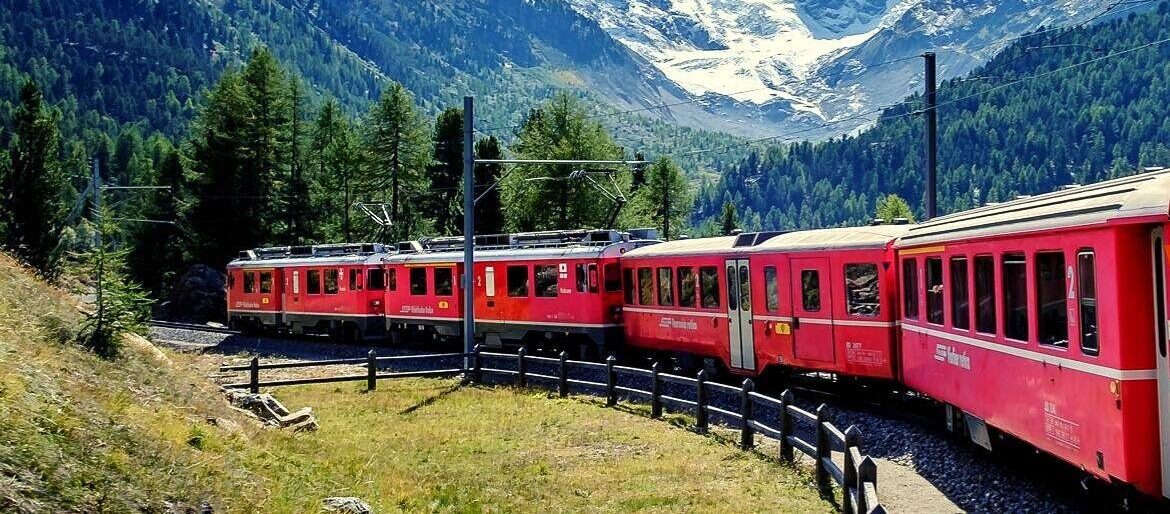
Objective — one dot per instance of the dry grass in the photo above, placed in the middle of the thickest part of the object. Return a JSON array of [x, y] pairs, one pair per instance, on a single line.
[[81, 434]]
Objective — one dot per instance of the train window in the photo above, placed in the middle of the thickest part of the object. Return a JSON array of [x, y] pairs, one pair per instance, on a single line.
[[355, 279], [489, 279], [985, 294], [861, 290], [645, 286], [732, 296], [1087, 298], [518, 281], [666, 286], [418, 281], [376, 279], [771, 289], [444, 284], [313, 277], [1051, 299], [686, 287], [582, 280], [296, 282], [249, 282], [265, 282], [1014, 269], [810, 288], [745, 290], [628, 276], [910, 288], [593, 278], [613, 279], [709, 287], [960, 294], [934, 290], [332, 277], [546, 281], [392, 279]]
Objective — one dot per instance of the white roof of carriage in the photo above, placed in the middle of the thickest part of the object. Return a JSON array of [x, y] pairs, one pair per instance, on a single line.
[[1146, 194], [844, 238], [697, 246]]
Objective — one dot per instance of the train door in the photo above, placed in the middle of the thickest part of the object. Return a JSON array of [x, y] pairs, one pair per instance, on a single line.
[[292, 290], [739, 315], [1158, 252], [812, 310]]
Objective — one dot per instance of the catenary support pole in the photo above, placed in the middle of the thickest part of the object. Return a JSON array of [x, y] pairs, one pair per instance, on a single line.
[[931, 137], [468, 226]]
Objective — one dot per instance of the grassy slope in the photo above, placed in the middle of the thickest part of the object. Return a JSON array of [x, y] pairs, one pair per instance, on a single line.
[[81, 434]]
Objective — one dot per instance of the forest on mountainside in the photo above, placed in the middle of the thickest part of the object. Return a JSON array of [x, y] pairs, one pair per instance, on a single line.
[[1079, 126], [265, 165]]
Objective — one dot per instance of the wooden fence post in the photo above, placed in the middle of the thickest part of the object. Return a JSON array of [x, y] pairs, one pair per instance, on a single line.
[[824, 450], [866, 472], [655, 392], [701, 402], [852, 440], [254, 375], [610, 382], [521, 379], [371, 371], [476, 365], [786, 452], [563, 379], [746, 433]]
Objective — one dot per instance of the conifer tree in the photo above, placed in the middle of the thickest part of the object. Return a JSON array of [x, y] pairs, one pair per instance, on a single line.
[[120, 305], [665, 197], [397, 149], [31, 195], [336, 161], [544, 197], [446, 173], [892, 206], [729, 220], [155, 254], [489, 210], [298, 201]]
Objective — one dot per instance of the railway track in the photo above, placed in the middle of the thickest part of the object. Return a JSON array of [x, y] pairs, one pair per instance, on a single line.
[[192, 326]]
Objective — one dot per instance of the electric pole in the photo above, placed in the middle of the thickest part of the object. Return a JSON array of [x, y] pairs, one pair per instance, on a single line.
[[931, 137], [468, 226]]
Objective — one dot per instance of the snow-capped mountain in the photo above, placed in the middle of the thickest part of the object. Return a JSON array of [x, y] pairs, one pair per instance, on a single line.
[[764, 67]]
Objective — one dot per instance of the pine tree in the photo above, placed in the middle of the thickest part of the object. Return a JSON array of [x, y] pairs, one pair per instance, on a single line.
[[266, 136], [228, 196], [489, 210], [397, 147], [729, 221], [544, 197], [120, 305], [33, 187], [336, 160], [665, 198], [893, 206], [155, 254], [298, 201], [446, 173]]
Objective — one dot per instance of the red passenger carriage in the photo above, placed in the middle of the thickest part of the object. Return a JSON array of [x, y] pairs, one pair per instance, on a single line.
[[1045, 318], [816, 300]]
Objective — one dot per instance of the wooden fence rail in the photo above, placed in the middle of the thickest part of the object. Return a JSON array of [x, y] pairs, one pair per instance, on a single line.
[[856, 476]]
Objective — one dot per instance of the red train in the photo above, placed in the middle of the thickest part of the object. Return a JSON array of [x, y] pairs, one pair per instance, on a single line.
[[996, 312]]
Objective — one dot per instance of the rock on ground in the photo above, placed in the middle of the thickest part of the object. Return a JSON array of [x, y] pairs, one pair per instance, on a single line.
[[347, 504]]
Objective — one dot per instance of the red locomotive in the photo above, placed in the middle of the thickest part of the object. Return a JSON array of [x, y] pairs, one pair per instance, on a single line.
[[325, 289]]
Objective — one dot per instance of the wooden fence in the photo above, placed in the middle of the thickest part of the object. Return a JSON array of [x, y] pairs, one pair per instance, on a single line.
[[857, 476]]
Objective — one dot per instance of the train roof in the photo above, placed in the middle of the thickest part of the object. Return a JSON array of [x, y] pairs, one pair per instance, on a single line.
[[696, 246], [1136, 196], [843, 238], [875, 236], [531, 253]]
